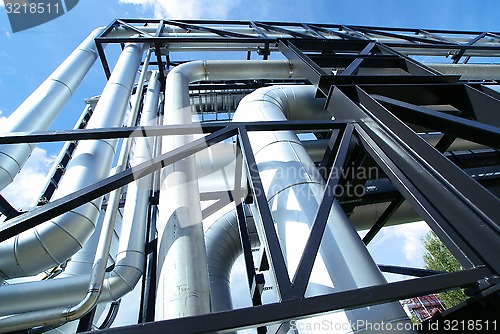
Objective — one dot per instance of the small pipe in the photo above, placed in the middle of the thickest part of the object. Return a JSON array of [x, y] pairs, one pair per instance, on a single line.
[[140, 86]]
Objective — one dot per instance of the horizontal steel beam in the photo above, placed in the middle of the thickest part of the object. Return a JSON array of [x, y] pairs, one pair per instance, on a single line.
[[161, 130], [269, 314], [53, 209]]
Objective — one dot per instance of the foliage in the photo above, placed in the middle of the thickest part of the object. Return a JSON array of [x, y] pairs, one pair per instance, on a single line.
[[438, 257]]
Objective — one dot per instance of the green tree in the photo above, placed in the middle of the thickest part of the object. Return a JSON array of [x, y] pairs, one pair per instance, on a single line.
[[438, 257]]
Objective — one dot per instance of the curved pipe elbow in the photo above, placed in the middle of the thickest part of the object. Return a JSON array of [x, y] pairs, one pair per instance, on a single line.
[[233, 69], [123, 278], [223, 244], [192, 71], [17, 254]]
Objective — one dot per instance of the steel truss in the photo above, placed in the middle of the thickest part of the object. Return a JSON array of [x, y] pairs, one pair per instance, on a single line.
[[380, 95]]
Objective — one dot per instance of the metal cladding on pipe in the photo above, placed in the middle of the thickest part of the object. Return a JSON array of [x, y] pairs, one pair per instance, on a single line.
[[223, 248], [56, 240], [469, 71], [59, 292], [182, 267], [40, 109], [222, 239], [130, 257], [294, 190]]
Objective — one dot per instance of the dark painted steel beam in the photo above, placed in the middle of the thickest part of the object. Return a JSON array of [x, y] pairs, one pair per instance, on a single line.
[[7, 209], [456, 58], [159, 61], [353, 68], [71, 201], [454, 125], [228, 321], [383, 219], [304, 269], [271, 241], [416, 272], [190, 27], [160, 130], [439, 181]]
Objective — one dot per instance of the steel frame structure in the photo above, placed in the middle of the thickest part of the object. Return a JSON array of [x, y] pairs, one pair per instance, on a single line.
[[377, 114]]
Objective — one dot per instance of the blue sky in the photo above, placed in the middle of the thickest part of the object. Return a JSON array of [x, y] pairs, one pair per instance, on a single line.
[[28, 57]]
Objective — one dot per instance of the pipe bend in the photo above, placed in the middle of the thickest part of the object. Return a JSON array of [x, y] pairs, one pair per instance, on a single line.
[[121, 280], [223, 248], [223, 244], [192, 71]]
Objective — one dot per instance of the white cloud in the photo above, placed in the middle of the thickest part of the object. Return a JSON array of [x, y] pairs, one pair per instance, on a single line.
[[411, 237], [3, 121], [187, 9], [28, 183]]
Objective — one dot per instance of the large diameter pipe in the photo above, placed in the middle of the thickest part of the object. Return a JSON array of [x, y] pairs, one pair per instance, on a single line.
[[183, 287], [294, 189], [56, 240], [40, 109], [59, 292]]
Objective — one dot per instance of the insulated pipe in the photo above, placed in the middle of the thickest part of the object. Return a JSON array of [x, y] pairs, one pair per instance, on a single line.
[[130, 257], [81, 263], [40, 109], [56, 240], [294, 190], [128, 268], [469, 71], [223, 248], [183, 288]]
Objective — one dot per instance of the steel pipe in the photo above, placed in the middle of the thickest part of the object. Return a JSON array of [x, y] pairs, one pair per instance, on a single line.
[[223, 243], [40, 109], [56, 240], [129, 260], [182, 270], [294, 188]]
